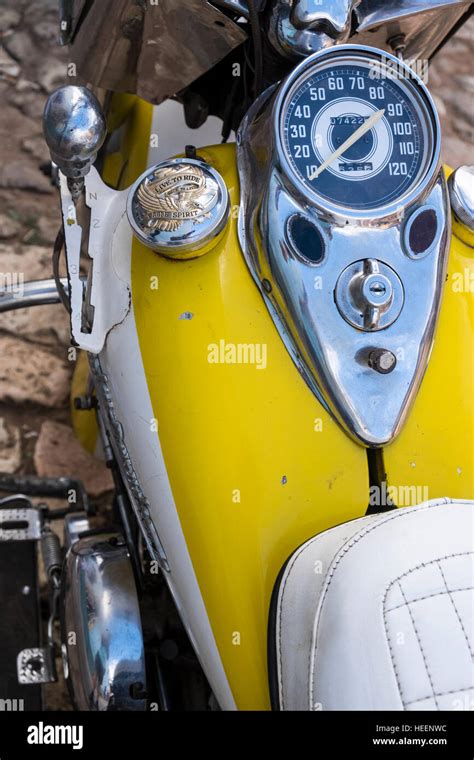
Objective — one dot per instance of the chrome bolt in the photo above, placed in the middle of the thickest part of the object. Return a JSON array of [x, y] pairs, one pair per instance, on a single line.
[[382, 360]]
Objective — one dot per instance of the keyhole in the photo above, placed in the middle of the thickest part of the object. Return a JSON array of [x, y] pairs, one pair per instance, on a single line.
[[378, 288]]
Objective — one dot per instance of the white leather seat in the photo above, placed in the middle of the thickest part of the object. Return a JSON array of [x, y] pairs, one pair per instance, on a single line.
[[377, 614]]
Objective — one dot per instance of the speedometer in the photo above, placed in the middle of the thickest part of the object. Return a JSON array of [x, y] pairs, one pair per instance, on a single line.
[[357, 129]]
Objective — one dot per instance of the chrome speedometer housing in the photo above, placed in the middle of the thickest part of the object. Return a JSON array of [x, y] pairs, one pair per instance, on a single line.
[[341, 85], [354, 291]]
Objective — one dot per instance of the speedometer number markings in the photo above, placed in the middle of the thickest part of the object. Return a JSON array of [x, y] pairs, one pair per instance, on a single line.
[[326, 107]]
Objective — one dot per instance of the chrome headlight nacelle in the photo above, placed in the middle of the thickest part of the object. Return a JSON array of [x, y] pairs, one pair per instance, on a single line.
[[352, 267]]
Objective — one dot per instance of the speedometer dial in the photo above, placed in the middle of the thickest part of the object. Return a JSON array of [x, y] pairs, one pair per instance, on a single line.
[[329, 102]]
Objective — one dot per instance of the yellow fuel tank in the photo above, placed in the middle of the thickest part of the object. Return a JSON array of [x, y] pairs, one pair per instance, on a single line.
[[255, 464]]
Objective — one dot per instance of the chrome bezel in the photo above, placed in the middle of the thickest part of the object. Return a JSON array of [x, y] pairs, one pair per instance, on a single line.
[[429, 173], [208, 230]]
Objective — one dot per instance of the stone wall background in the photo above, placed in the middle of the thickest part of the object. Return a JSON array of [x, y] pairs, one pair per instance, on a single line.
[[35, 366]]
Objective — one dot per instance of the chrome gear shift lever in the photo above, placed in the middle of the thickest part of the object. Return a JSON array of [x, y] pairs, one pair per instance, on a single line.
[[74, 129]]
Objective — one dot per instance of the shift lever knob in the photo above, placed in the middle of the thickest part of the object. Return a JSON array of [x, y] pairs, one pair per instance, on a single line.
[[74, 128]]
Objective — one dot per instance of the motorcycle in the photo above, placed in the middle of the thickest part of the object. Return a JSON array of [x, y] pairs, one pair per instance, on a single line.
[[271, 354]]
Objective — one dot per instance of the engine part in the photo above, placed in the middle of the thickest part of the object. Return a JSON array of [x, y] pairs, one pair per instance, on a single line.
[[51, 551], [103, 651]]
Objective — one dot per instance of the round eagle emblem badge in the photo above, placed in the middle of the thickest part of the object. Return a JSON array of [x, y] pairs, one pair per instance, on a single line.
[[178, 207]]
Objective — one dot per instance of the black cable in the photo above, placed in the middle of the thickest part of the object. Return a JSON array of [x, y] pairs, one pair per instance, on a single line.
[[378, 484], [57, 488], [229, 111], [58, 246], [257, 47]]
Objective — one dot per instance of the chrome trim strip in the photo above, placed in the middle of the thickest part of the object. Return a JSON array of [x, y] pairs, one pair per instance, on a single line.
[[139, 501]]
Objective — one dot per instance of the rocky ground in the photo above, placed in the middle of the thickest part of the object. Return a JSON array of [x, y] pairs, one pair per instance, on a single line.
[[35, 430]]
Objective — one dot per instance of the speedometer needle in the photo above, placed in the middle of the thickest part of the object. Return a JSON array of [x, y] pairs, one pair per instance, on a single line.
[[371, 121]]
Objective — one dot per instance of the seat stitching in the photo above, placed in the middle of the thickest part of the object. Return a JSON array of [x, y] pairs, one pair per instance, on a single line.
[[455, 609], [392, 582], [389, 640], [445, 501], [428, 596], [419, 644], [441, 694], [431, 562], [342, 551], [397, 580]]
